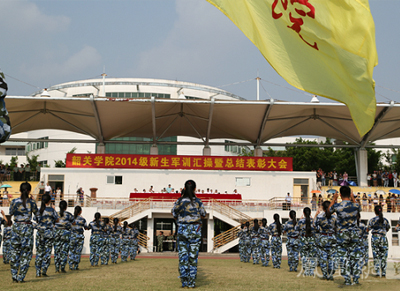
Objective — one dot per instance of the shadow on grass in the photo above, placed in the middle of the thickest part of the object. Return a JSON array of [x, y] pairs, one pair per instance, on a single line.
[[202, 277]]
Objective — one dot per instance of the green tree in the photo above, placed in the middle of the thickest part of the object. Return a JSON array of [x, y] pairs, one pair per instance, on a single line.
[[32, 161], [326, 158], [61, 163]]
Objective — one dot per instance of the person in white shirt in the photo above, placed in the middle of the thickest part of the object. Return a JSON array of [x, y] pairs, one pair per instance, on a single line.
[[288, 200], [47, 189]]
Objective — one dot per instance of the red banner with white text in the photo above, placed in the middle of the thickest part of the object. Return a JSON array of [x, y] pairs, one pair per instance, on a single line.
[[102, 161]]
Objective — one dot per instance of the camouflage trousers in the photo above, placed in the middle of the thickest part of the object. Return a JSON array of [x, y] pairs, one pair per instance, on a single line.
[[379, 246], [350, 256], [241, 244], [5, 126], [125, 249], [327, 255], [308, 254], [21, 250], [292, 248], [189, 239], [133, 248], [96, 246], [276, 251], [61, 248], [115, 246], [105, 251], [44, 245], [6, 251], [365, 251], [256, 249], [265, 249], [160, 245], [246, 250], [75, 250]]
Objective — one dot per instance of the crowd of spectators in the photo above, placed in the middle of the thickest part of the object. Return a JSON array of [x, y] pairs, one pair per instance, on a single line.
[[331, 178], [389, 202], [383, 179], [171, 190], [22, 172]]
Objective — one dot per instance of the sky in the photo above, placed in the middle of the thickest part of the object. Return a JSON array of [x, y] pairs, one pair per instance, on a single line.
[[48, 42]]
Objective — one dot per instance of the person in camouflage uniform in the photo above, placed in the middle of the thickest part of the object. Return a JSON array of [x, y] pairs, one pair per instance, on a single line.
[[134, 242], [7, 242], [125, 242], [22, 209], [241, 243], [5, 125], [46, 219], [77, 239], [170, 243], [275, 229], [160, 242], [349, 251], [105, 254], [363, 233], [96, 239], [308, 251], [325, 224], [379, 226], [62, 236], [188, 211], [115, 241], [265, 247], [246, 242], [255, 242], [292, 243], [3, 221]]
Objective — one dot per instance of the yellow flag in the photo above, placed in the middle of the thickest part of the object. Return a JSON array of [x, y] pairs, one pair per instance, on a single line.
[[320, 46]]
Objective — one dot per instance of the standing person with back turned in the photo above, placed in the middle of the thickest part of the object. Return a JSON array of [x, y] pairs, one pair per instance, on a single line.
[[188, 211], [349, 246], [325, 223], [62, 237], [293, 242], [22, 209], [46, 219], [379, 226], [77, 239]]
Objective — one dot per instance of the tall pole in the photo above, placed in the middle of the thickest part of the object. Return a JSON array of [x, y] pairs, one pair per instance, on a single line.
[[104, 85], [258, 87]]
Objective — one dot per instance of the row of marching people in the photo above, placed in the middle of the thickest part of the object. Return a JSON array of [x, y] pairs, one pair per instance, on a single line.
[[62, 231], [335, 238]]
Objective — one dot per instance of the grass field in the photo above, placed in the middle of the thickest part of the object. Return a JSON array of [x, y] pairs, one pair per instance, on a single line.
[[149, 273]]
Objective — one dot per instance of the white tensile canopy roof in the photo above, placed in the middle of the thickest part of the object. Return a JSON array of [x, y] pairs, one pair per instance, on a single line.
[[254, 122]]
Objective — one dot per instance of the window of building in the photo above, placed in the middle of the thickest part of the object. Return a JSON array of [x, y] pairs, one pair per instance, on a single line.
[[110, 179], [242, 181], [82, 95], [56, 177], [140, 149], [139, 95], [117, 180], [232, 147], [32, 146], [15, 152]]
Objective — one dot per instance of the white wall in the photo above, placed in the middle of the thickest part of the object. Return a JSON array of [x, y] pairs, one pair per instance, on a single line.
[[264, 185], [58, 151]]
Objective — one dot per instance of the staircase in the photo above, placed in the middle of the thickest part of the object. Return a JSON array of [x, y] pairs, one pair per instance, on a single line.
[[230, 212], [228, 239], [131, 211]]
